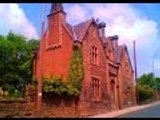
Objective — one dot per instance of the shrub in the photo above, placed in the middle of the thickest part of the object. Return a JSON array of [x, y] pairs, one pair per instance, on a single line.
[[56, 86], [145, 92]]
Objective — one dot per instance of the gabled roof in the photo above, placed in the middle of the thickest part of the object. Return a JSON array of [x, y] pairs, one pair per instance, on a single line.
[[118, 53], [129, 60], [80, 29]]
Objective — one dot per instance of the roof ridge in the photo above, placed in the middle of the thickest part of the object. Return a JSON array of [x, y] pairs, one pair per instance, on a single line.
[[83, 22], [81, 29]]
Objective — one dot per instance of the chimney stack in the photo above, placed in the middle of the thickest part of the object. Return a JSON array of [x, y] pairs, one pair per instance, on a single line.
[[57, 9], [114, 40], [101, 27]]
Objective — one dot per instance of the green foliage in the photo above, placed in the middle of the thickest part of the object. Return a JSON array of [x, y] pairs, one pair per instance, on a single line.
[[145, 92], [72, 91], [147, 79], [15, 94], [76, 70], [15, 61], [157, 82], [56, 86], [150, 80], [147, 83], [73, 86]]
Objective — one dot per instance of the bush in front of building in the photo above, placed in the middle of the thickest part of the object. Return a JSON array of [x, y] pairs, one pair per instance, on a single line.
[[56, 86], [145, 92], [72, 88]]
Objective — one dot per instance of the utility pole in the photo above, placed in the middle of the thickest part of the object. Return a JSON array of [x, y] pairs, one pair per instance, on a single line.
[[135, 71], [39, 89], [154, 81]]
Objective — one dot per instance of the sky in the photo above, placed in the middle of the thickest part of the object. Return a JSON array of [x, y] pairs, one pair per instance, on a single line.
[[130, 21]]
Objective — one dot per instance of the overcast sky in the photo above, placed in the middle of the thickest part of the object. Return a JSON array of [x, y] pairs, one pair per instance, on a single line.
[[139, 22]]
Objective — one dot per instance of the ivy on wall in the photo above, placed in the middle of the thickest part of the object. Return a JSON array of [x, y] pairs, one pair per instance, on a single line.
[[55, 85], [74, 81], [76, 71]]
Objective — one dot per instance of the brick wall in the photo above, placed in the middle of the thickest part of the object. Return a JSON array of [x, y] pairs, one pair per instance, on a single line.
[[62, 106], [87, 104], [56, 106], [55, 50], [126, 82]]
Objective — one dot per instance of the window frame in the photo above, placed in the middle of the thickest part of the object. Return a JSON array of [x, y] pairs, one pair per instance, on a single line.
[[94, 55], [96, 88]]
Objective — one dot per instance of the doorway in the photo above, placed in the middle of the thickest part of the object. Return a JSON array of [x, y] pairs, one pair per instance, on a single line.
[[113, 95]]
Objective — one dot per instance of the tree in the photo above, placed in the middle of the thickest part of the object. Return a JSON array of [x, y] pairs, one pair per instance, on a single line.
[[147, 79], [148, 84], [151, 80], [157, 81], [145, 92], [15, 61]]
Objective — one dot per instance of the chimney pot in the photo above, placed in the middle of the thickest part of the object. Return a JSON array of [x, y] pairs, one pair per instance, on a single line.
[[101, 27], [114, 39]]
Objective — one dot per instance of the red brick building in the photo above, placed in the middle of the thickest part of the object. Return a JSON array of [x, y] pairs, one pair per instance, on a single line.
[[108, 74]]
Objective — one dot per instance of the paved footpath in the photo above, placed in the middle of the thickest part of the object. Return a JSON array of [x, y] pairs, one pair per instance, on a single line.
[[125, 111]]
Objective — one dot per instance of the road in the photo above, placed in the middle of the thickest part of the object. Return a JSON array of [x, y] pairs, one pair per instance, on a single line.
[[149, 112]]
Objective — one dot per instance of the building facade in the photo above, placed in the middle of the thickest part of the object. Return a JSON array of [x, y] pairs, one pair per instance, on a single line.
[[108, 81]]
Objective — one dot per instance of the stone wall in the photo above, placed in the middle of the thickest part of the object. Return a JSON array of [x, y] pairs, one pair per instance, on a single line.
[[62, 106], [31, 98], [12, 108], [56, 106], [70, 107], [19, 107], [53, 106]]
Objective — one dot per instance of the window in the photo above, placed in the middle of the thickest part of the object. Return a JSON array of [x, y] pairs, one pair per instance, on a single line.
[[95, 87], [94, 55]]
